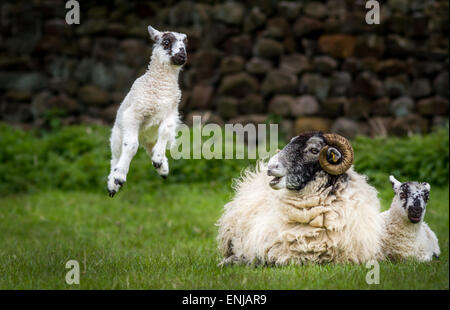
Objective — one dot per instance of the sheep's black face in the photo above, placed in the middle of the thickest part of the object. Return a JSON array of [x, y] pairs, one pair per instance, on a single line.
[[413, 198], [297, 163], [169, 46]]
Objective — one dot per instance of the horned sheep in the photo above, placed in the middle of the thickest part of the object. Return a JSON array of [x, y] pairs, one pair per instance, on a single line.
[[306, 205]]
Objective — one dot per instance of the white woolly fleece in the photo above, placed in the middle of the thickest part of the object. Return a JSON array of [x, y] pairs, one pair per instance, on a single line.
[[403, 239], [315, 224]]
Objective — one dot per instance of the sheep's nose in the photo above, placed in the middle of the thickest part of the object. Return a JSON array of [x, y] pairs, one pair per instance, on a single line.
[[417, 204], [274, 170], [179, 58], [416, 209]]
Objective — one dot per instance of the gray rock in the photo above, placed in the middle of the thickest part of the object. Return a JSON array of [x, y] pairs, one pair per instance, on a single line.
[[401, 6], [268, 48], [420, 88], [358, 108], [231, 64], [289, 10], [295, 63], [351, 65], [281, 105], [102, 76], [276, 27], [227, 107], [433, 106], [251, 104], [315, 9], [279, 82], [258, 65], [341, 83], [238, 84], [382, 106], [229, 12], [391, 67], [369, 45], [254, 20], [239, 45], [368, 84], [325, 64], [440, 84], [402, 106], [83, 72], [201, 96], [334, 106], [33, 81], [306, 25], [315, 84], [345, 127], [396, 86], [92, 95], [304, 105]]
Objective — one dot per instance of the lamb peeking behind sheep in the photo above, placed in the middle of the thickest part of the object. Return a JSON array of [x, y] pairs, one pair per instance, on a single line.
[[407, 235], [149, 112], [306, 205]]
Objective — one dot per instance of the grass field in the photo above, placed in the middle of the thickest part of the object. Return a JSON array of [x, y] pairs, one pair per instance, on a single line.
[[161, 235]]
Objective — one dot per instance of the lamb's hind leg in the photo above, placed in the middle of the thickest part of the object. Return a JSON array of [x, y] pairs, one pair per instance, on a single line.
[[166, 134], [116, 146], [129, 146]]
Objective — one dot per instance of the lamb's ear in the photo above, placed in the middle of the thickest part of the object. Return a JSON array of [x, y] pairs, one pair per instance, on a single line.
[[427, 186], [155, 35], [395, 183]]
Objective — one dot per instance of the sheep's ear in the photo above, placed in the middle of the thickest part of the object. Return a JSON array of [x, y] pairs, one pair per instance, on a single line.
[[395, 183], [427, 186], [155, 35]]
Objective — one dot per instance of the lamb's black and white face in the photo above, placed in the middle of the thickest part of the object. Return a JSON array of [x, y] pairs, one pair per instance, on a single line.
[[297, 163], [412, 198], [170, 47]]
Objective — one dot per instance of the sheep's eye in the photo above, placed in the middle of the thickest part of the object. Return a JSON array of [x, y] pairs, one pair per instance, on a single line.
[[314, 151], [426, 197], [403, 195], [166, 43]]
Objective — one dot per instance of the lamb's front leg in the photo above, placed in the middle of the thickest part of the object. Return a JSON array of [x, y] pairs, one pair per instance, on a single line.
[[130, 144], [166, 134]]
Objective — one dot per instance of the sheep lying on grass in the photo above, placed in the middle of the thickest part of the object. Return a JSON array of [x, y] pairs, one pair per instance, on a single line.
[[407, 235], [149, 112], [315, 208]]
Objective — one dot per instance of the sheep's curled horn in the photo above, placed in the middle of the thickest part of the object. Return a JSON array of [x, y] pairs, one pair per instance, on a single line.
[[333, 162]]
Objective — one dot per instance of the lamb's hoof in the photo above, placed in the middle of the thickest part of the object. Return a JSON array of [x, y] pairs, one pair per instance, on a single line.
[[112, 193], [157, 165], [119, 182], [164, 176]]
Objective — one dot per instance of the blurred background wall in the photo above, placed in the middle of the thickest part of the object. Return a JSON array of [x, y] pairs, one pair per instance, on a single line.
[[304, 64]]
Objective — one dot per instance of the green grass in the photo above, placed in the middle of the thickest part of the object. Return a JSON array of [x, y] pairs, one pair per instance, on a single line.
[[157, 234], [164, 238]]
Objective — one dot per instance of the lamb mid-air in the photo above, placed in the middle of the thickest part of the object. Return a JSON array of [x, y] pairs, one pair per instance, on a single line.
[[407, 235], [149, 112]]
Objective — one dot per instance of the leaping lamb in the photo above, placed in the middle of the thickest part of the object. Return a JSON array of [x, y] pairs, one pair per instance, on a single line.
[[149, 112], [407, 235], [306, 205]]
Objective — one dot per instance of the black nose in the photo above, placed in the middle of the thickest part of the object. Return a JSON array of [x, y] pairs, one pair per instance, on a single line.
[[416, 209], [416, 203], [179, 58]]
